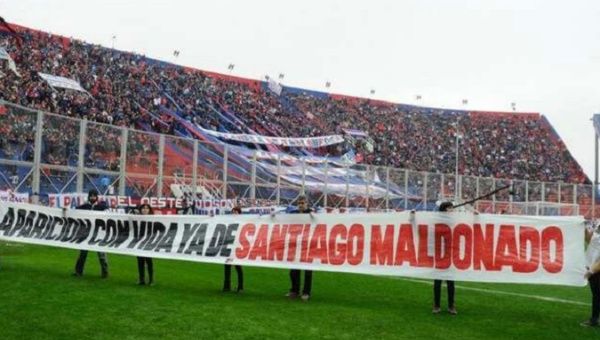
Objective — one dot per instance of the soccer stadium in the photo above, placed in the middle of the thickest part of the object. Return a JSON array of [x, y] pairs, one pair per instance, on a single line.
[[196, 147]]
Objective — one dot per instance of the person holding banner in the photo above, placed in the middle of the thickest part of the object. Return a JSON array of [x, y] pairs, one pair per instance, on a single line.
[[437, 284], [294, 292], [593, 273], [240, 274], [142, 262], [92, 204]]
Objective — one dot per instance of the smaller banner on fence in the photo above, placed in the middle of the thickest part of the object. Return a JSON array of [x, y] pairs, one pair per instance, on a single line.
[[73, 199], [13, 196]]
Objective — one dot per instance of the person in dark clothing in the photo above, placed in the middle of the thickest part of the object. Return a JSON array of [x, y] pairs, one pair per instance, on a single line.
[[92, 204], [294, 292], [142, 262], [240, 274], [437, 284]]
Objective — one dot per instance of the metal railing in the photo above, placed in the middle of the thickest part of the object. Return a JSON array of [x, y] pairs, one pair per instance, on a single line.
[[47, 153]]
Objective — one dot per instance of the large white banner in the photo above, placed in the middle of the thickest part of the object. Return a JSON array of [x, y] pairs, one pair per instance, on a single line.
[[456, 246]]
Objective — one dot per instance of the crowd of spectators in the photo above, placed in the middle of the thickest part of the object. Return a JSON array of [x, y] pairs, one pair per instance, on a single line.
[[130, 90], [17, 134], [501, 145]]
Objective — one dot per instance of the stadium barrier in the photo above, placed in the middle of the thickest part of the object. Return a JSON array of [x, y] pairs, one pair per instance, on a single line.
[[43, 153]]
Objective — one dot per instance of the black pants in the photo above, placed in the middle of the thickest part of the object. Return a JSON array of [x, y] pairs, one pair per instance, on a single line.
[[81, 263], [437, 292], [240, 277], [295, 278], [595, 287], [141, 261]]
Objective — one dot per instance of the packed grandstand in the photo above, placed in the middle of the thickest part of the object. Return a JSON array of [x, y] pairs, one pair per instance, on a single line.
[[130, 90]]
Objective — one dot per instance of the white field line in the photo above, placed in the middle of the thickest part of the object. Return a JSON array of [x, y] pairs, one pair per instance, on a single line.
[[499, 292]]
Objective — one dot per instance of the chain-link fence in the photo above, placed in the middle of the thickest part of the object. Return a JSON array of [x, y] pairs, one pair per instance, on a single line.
[[46, 153]]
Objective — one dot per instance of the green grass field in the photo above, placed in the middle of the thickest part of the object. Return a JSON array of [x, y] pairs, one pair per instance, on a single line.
[[40, 299]]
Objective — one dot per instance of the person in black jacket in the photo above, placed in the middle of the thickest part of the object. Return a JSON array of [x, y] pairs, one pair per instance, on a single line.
[[437, 284], [145, 209], [240, 274], [92, 204], [294, 292]]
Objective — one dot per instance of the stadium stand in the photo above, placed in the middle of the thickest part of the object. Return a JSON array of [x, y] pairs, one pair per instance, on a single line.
[[128, 89]]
